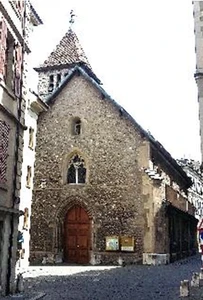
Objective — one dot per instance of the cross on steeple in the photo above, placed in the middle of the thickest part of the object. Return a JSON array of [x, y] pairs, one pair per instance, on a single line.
[[72, 18]]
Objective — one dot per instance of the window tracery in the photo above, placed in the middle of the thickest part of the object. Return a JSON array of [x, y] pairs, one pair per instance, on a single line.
[[76, 170]]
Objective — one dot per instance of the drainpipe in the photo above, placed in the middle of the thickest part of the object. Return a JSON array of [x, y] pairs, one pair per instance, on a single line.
[[12, 234]]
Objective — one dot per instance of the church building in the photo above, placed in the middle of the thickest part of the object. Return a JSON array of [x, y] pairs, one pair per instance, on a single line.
[[105, 191]]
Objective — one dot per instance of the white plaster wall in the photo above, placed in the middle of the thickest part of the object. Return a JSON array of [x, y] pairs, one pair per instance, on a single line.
[[26, 193]]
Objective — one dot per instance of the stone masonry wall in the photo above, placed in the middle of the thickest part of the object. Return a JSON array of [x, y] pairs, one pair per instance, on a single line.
[[43, 82], [110, 146]]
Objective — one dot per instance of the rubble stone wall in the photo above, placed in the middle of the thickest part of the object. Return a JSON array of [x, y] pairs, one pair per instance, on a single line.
[[112, 193]]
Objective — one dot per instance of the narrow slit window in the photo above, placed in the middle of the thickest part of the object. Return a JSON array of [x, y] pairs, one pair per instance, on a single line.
[[31, 138], [77, 126], [26, 219], [28, 177], [76, 170]]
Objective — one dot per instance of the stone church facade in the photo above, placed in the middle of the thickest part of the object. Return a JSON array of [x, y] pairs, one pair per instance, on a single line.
[[105, 191]]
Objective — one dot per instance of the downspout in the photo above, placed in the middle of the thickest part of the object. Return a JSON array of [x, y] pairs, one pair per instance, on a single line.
[[12, 234]]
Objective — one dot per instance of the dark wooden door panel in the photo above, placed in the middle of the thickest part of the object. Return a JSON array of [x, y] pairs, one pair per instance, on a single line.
[[77, 236], [82, 257], [72, 256]]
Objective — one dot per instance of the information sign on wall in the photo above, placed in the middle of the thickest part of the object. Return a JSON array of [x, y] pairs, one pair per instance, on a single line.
[[112, 243], [127, 243]]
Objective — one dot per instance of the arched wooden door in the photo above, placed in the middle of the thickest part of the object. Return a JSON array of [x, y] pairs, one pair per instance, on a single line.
[[77, 236]]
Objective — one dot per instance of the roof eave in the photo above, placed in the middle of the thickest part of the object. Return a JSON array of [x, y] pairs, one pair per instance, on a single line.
[[35, 17], [38, 105], [172, 162]]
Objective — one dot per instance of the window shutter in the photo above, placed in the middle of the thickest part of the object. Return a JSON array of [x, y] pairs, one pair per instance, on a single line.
[[17, 69], [3, 44], [19, 5], [4, 139]]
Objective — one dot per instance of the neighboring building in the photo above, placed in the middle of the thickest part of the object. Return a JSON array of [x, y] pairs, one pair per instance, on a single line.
[[33, 108], [104, 189], [17, 19], [198, 31], [195, 192]]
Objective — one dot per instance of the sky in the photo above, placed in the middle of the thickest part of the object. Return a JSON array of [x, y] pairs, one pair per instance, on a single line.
[[144, 54]]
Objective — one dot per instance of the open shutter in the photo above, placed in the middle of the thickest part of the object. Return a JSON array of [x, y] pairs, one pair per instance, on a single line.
[[17, 69], [4, 139], [3, 45]]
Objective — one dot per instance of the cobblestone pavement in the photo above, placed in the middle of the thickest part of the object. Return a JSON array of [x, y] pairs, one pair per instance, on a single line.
[[135, 282]]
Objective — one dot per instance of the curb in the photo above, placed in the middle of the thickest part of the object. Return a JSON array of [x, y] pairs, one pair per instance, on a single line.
[[27, 297]]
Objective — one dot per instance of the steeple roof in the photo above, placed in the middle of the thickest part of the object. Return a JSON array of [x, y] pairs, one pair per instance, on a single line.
[[68, 51]]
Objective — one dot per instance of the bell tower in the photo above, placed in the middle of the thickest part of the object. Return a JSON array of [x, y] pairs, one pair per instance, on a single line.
[[67, 54]]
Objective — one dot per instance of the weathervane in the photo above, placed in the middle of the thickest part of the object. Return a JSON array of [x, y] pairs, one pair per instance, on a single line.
[[72, 18]]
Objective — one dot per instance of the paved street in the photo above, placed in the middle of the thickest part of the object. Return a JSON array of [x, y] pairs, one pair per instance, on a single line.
[[126, 283]]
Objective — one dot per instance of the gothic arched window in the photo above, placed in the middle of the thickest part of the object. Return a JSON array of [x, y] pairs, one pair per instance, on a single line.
[[76, 170]]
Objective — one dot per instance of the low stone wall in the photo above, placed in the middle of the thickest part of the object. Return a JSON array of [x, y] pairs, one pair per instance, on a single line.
[[156, 259], [114, 258], [96, 258]]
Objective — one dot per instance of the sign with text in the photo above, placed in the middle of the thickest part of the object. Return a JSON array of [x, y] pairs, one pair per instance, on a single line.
[[127, 243]]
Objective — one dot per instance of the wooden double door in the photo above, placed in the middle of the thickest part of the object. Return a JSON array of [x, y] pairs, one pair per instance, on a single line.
[[77, 236]]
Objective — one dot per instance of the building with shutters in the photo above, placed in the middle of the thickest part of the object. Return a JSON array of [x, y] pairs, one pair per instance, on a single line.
[[105, 191], [17, 19]]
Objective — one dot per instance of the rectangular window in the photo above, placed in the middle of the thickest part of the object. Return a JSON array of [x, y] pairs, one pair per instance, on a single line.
[[28, 177], [3, 43], [26, 219], [9, 71], [4, 138], [31, 138], [17, 69], [10, 58]]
